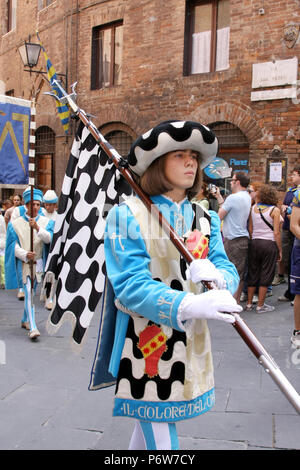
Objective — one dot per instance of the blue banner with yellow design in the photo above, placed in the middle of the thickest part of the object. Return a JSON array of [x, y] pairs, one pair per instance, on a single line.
[[14, 140], [62, 109]]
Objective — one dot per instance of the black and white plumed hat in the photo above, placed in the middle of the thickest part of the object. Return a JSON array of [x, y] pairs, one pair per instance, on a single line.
[[169, 136]]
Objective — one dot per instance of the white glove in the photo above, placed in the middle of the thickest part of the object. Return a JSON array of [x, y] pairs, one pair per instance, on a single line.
[[209, 305], [204, 270]]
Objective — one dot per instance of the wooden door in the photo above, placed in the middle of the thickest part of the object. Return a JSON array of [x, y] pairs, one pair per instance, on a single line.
[[44, 172]]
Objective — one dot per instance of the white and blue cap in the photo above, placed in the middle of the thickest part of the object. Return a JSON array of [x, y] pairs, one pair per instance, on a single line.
[[170, 136], [37, 195], [50, 197]]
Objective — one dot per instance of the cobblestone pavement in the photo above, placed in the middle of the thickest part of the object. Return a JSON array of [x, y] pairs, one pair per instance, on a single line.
[[45, 402]]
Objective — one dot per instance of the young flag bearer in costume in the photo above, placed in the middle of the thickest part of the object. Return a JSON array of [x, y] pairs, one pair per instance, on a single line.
[[50, 199], [18, 254], [161, 354]]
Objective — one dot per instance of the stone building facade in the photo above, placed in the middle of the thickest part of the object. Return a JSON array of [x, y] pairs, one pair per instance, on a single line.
[[230, 64]]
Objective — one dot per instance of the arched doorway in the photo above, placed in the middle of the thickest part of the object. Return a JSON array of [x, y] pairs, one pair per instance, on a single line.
[[233, 154], [119, 135], [45, 150], [120, 140]]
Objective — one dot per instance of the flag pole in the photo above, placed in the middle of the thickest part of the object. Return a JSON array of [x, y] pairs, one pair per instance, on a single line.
[[121, 164], [32, 139]]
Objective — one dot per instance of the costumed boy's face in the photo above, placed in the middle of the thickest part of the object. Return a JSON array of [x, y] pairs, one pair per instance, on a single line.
[[50, 207], [181, 167], [35, 208]]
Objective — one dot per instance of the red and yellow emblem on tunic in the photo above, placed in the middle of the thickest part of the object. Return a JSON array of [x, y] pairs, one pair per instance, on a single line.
[[197, 244], [152, 343]]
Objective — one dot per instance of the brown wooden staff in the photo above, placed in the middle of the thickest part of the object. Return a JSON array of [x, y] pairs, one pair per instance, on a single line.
[[244, 331], [31, 262], [31, 182]]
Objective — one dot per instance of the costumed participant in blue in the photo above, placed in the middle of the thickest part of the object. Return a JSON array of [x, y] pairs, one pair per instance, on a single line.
[[18, 255], [50, 204], [19, 211], [2, 250], [50, 199], [161, 356], [16, 211]]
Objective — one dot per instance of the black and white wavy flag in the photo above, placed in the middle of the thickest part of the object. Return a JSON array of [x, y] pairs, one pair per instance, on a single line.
[[76, 263]]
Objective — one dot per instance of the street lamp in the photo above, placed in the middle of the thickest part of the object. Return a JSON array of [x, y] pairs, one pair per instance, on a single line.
[[30, 53]]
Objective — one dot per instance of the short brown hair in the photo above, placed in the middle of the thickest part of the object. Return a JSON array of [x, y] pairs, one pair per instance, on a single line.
[[297, 169], [154, 181], [267, 194], [243, 178]]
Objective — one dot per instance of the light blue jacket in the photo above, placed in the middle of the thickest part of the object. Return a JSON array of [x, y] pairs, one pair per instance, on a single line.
[[131, 282], [13, 265]]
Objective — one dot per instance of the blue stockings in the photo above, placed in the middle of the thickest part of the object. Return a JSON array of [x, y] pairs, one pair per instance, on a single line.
[[29, 313]]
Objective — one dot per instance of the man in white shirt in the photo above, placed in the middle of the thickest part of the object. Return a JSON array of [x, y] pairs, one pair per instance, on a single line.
[[235, 213]]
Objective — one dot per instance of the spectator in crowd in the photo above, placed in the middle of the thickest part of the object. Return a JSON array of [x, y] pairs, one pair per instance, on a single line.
[[287, 237], [295, 267], [2, 251], [235, 213], [215, 197], [7, 204], [203, 196], [252, 190], [265, 246], [209, 197], [17, 201]]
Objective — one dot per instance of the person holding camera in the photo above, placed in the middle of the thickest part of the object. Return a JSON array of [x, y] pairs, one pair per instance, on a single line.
[[209, 197], [215, 199]]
